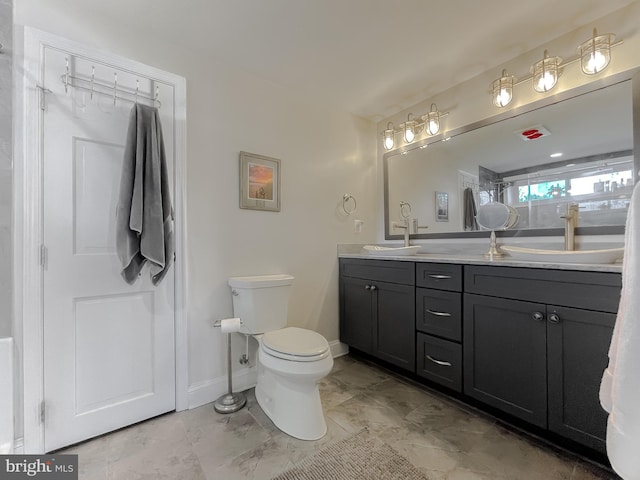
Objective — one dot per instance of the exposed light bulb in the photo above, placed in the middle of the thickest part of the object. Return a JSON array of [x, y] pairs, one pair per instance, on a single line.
[[389, 137], [503, 98], [596, 62], [546, 82], [409, 129], [434, 126]]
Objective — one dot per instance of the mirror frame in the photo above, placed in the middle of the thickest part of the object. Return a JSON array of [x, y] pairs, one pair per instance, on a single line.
[[633, 75]]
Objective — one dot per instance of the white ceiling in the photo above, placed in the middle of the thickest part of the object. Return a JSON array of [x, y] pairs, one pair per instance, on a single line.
[[370, 57]]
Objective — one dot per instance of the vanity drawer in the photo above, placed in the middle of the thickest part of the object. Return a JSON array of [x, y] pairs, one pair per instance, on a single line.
[[380, 270], [439, 361], [441, 276], [439, 313], [587, 290]]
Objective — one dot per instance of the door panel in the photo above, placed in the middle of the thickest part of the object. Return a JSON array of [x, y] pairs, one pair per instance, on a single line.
[[578, 354], [109, 355], [505, 356], [394, 324], [356, 324]]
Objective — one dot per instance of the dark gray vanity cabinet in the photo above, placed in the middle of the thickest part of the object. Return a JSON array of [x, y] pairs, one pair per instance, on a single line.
[[377, 309], [536, 344], [439, 323]]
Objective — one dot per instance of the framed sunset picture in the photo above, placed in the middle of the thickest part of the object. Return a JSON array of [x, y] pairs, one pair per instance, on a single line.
[[259, 182]]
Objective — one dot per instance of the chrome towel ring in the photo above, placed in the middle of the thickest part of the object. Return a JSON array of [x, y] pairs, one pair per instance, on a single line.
[[346, 198]]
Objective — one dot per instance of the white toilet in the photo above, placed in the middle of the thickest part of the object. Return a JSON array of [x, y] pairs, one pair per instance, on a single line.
[[291, 360]]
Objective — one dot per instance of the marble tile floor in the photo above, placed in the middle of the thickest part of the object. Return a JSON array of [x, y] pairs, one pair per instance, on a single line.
[[440, 437]]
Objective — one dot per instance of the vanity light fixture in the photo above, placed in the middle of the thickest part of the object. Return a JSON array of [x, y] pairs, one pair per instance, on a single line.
[[388, 135], [595, 53], [503, 89], [432, 120], [595, 56], [409, 129], [545, 73]]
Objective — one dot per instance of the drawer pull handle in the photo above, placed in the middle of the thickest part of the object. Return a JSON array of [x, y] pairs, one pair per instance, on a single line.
[[440, 277], [438, 314], [439, 362]]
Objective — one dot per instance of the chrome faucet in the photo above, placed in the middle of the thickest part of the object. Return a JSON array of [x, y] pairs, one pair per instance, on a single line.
[[570, 225]]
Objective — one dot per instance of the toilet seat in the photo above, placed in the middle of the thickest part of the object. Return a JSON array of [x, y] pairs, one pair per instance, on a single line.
[[295, 344]]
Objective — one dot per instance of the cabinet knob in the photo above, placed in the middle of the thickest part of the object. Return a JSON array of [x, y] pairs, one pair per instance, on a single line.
[[537, 316], [367, 287], [553, 318], [373, 287]]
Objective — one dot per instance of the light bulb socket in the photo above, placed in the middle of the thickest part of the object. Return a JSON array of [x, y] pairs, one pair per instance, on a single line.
[[545, 73], [595, 53], [503, 89]]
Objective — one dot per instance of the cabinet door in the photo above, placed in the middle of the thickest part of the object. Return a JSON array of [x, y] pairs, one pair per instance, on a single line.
[[356, 322], [505, 355], [578, 344], [394, 324]]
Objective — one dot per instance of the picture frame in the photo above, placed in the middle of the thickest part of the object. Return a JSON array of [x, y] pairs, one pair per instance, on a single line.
[[442, 207], [259, 182]]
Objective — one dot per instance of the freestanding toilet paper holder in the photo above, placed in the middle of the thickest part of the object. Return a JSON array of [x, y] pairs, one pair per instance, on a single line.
[[229, 402]]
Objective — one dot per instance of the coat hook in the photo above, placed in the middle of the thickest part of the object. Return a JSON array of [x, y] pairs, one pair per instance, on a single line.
[[155, 98], [115, 86], [137, 89], [93, 76], [66, 76]]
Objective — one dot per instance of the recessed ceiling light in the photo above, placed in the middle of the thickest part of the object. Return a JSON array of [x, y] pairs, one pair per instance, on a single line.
[[556, 155]]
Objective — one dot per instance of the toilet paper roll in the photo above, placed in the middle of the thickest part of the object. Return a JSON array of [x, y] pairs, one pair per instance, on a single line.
[[230, 325]]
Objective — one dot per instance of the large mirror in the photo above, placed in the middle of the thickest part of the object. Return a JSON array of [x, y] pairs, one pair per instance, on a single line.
[[577, 149]]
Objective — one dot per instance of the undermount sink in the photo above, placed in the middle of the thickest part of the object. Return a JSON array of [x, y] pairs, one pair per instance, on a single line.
[[609, 255], [391, 251]]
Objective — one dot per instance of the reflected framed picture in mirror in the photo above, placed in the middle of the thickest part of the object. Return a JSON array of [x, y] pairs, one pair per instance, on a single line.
[[442, 207], [259, 182]]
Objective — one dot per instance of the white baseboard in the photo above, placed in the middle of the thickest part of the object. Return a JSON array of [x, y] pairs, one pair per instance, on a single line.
[[209, 390], [338, 348]]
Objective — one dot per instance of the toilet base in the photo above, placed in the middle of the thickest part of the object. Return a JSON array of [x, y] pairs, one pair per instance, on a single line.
[[292, 399]]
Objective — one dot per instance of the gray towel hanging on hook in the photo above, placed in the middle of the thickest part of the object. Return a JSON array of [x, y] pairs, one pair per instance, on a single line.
[[144, 223], [470, 211]]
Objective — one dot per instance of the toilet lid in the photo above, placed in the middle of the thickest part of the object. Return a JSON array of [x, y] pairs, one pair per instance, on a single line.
[[295, 341]]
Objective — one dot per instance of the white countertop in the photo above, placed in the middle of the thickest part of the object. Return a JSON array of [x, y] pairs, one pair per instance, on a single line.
[[478, 259]]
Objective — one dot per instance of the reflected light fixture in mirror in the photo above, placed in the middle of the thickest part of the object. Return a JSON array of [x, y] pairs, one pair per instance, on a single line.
[[595, 53], [409, 129], [503, 89], [432, 120], [388, 135], [545, 73]]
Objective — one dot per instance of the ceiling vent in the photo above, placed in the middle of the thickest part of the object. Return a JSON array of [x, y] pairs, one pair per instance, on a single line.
[[532, 133]]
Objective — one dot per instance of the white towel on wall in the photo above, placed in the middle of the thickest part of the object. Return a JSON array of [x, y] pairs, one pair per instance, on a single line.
[[620, 388]]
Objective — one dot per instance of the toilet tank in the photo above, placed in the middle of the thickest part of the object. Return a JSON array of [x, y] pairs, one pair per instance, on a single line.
[[261, 301]]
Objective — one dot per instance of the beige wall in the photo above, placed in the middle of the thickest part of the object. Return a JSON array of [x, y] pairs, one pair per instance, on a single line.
[[470, 101], [324, 152]]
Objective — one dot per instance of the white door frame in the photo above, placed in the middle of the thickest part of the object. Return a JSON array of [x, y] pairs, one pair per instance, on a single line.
[[28, 222]]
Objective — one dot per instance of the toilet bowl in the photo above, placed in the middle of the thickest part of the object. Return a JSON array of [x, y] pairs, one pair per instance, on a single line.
[[291, 360], [287, 388]]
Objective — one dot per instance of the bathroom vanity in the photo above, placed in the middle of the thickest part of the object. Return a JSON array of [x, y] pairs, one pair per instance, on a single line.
[[523, 338]]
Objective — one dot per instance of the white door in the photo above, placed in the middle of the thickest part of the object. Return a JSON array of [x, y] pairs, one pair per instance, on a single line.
[[109, 356]]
